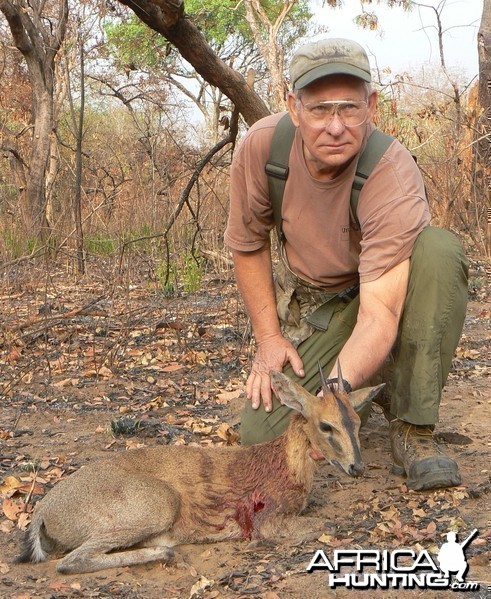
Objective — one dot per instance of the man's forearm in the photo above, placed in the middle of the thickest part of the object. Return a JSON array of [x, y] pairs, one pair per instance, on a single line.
[[253, 272], [366, 350], [375, 332]]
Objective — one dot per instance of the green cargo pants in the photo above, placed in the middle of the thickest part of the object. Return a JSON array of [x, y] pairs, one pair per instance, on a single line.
[[417, 368]]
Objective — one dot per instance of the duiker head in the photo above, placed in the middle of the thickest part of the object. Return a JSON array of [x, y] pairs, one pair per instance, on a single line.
[[332, 423]]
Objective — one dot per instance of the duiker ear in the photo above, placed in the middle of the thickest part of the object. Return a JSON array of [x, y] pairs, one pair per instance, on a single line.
[[362, 397], [289, 393]]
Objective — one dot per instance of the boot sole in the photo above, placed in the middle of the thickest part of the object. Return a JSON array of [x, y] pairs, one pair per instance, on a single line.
[[430, 473]]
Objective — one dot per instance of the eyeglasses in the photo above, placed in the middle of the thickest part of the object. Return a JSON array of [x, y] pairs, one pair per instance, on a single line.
[[321, 114]]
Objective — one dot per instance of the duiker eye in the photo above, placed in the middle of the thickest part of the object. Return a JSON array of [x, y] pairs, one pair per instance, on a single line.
[[325, 427]]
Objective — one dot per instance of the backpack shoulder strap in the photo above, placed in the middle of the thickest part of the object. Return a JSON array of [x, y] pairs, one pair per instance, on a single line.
[[377, 144], [277, 166]]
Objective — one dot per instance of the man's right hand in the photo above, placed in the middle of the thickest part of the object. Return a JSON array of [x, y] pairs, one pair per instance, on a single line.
[[272, 353], [254, 274]]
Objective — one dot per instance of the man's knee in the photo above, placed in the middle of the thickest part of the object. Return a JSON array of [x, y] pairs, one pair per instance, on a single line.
[[258, 426], [438, 275], [439, 250]]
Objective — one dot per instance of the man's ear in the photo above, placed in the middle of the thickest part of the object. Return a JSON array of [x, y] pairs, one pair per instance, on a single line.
[[291, 102], [372, 104]]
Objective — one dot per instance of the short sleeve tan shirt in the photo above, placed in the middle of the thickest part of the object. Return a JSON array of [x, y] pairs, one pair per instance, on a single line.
[[322, 246]]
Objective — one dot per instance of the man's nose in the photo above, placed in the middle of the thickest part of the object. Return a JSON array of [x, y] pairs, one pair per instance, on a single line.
[[336, 126]]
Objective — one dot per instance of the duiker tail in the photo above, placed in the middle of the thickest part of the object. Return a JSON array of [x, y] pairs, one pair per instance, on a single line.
[[32, 550]]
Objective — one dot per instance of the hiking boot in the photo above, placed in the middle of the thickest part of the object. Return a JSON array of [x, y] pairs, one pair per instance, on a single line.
[[417, 455]]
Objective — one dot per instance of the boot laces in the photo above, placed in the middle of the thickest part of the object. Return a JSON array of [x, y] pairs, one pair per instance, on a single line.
[[420, 430]]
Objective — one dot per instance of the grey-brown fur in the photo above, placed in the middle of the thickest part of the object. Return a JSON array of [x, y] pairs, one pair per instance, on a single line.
[[134, 507]]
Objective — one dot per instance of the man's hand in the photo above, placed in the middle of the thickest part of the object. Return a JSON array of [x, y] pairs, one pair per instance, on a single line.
[[272, 354], [254, 274]]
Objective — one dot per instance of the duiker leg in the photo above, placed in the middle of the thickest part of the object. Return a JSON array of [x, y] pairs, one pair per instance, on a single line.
[[291, 530], [118, 525], [97, 553]]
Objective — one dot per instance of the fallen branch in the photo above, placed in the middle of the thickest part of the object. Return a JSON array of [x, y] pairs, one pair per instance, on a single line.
[[49, 321]]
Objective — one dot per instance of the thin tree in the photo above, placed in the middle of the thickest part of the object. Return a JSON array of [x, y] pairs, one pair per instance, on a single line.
[[78, 128], [266, 35], [483, 147], [38, 30]]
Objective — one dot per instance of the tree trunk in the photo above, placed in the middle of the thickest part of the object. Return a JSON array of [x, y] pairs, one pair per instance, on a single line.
[[77, 194], [34, 208], [265, 35], [167, 18], [483, 126], [39, 45], [484, 51]]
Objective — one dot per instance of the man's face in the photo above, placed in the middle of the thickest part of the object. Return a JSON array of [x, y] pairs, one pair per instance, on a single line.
[[330, 146]]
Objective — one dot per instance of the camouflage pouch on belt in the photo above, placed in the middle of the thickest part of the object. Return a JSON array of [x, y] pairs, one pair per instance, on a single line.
[[302, 307]]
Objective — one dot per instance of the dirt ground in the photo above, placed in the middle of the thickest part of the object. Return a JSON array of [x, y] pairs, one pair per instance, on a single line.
[[97, 368]]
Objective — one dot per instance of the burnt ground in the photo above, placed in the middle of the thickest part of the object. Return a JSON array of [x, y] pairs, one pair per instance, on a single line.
[[97, 367]]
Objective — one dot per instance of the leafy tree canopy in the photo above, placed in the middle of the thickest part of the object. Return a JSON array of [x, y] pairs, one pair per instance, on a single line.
[[221, 19], [136, 46]]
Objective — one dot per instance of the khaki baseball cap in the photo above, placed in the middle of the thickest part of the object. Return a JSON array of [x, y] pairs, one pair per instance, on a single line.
[[333, 56]]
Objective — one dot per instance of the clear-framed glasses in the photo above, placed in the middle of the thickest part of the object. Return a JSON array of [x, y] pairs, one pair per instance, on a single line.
[[321, 114]]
